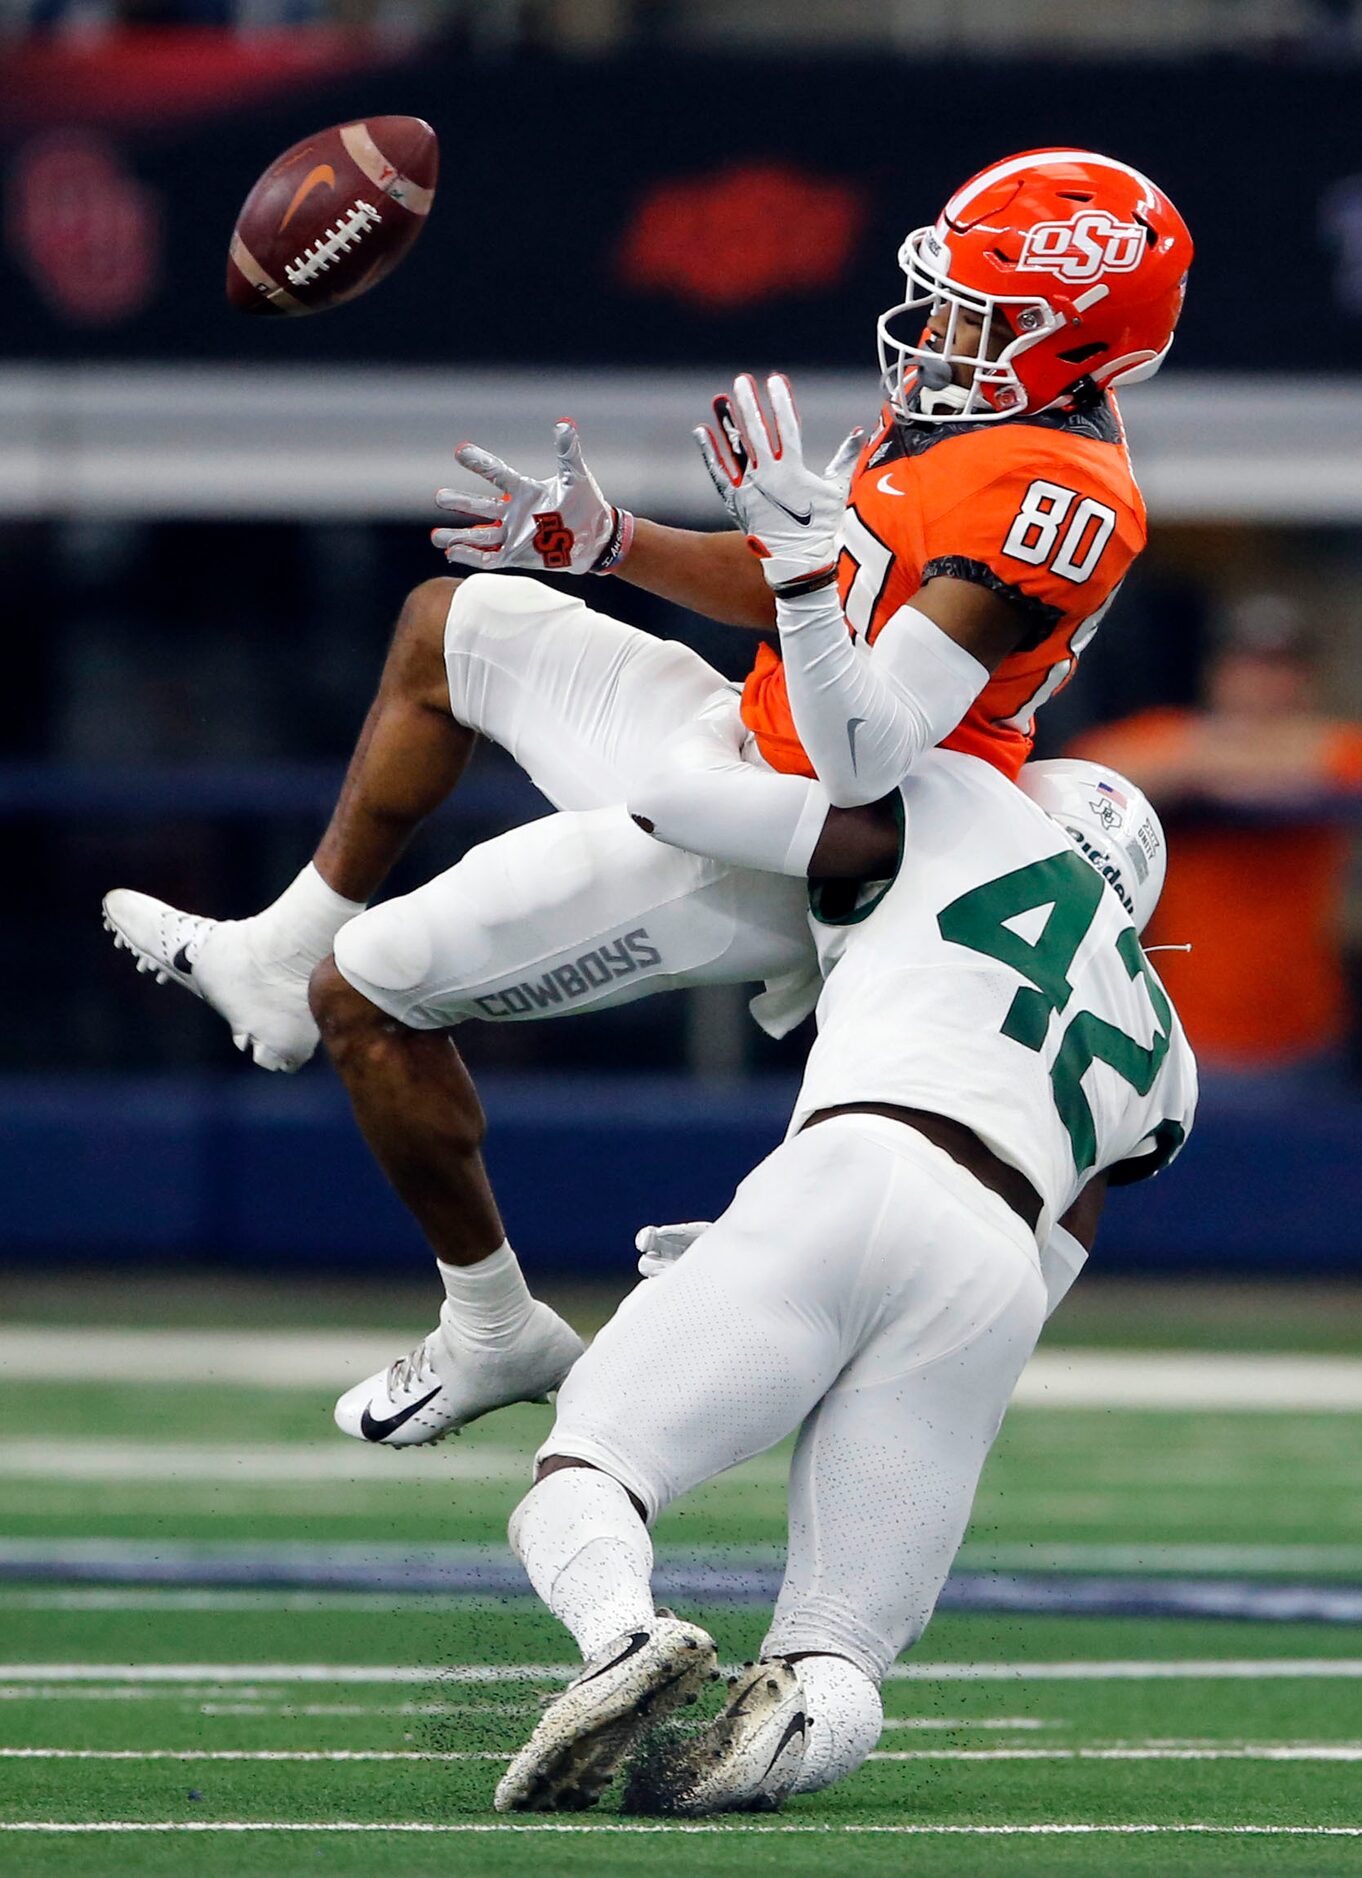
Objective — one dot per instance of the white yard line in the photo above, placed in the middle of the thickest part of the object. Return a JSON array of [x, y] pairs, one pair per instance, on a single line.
[[1086, 1670], [266, 1359], [358, 1603], [1190, 1379], [1212, 1669], [1161, 1556], [1055, 1829], [187, 1696], [245, 1754], [1263, 1751], [325, 1360], [289, 1711], [254, 1463]]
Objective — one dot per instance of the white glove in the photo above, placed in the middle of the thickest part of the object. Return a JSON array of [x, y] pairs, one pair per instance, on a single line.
[[562, 524], [662, 1246], [789, 513]]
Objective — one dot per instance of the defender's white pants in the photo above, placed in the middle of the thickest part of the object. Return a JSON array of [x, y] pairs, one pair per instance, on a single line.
[[865, 1289], [580, 909]]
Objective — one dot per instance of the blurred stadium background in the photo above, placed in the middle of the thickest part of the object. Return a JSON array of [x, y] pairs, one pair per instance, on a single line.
[[207, 525]]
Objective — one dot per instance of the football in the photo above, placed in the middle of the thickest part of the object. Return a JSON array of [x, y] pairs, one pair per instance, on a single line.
[[332, 216]]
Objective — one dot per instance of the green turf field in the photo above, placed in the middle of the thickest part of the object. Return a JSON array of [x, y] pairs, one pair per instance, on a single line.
[[227, 1719]]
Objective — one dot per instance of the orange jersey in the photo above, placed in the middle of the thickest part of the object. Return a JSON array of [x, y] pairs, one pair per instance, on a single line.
[[1043, 511]]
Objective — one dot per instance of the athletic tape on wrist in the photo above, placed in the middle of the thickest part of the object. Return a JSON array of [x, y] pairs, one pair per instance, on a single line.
[[619, 544], [805, 583]]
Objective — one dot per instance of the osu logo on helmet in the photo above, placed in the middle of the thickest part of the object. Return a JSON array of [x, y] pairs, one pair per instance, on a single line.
[[1046, 275], [1081, 249]]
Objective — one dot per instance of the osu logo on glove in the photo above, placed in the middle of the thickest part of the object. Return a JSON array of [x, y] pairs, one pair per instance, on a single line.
[[553, 540]]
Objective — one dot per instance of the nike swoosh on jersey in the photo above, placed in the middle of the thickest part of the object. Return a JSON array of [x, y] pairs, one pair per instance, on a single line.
[[853, 725], [374, 1428], [315, 179], [883, 482]]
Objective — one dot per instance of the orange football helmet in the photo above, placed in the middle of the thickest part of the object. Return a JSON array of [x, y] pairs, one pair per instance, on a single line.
[[1075, 262]]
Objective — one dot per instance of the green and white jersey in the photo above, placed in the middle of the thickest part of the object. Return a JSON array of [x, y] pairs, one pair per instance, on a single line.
[[998, 980]]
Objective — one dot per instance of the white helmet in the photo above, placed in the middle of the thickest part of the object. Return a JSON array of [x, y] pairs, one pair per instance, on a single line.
[[1111, 822]]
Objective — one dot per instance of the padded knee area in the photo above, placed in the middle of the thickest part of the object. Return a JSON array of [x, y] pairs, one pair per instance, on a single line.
[[384, 948], [846, 1718], [500, 606]]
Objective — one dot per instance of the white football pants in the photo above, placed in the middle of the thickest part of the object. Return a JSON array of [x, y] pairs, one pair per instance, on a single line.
[[865, 1289], [581, 909]]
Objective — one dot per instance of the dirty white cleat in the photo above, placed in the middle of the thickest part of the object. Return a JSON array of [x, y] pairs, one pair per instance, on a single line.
[[262, 994], [745, 1762], [642, 1676], [445, 1382]]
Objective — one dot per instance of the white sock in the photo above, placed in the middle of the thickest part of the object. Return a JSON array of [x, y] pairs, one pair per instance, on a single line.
[[588, 1555], [300, 927], [846, 1718], [487, 1305]]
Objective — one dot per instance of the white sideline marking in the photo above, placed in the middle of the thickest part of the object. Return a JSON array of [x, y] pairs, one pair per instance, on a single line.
[[291, 1710], [252, 1463], [679, 1826], [269, 1359], [327, 1360], [1175, 1668], [172, 1598], [1264, 1751], [187, 1695], [1189, 1379], [233, 1754], [1161, 1556], [1267, 1751]]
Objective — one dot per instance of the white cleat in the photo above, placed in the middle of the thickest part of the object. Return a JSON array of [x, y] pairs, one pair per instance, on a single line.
[[445, 1383], [263, 999], [573, 1754], [745, 1762]]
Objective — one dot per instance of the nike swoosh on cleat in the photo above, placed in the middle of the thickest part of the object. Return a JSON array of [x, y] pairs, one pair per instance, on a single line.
[[795, 1726], [853, 725], [374, 1429], [632, 1648], [183, 963]]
